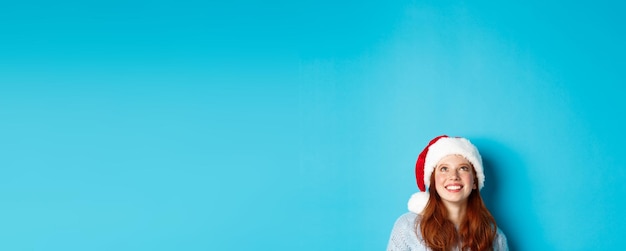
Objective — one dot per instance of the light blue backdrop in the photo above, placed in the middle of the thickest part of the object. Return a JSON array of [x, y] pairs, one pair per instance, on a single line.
[[282, 125]]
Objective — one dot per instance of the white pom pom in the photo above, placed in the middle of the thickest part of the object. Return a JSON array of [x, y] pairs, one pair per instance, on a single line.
[[418, 202]]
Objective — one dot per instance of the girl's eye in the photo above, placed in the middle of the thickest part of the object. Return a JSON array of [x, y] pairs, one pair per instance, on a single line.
[[443, 168], [465, 168]]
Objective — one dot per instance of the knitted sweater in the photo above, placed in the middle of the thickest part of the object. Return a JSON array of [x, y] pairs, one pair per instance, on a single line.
[[404, 237]]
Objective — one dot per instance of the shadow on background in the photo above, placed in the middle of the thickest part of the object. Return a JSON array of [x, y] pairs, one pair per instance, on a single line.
[[506, 196]]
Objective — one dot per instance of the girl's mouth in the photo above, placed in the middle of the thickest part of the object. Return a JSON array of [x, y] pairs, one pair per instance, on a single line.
[[454, 188]]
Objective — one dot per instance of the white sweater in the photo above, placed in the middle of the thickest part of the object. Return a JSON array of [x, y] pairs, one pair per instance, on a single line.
[[405, 238]]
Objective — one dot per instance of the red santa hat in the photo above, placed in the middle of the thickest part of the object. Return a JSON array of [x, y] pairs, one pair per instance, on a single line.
[[436, 149]]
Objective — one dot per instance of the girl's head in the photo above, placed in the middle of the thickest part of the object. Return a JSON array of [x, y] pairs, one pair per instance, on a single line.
[[452, 171], [455, 163]]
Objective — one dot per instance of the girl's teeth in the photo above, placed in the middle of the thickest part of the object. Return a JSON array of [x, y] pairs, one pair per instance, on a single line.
[[454, 187]]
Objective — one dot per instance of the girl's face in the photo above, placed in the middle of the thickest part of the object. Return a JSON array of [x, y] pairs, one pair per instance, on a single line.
[[454, 179]]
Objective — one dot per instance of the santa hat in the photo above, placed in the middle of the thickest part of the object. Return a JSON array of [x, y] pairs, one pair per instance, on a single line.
[[436, 149]]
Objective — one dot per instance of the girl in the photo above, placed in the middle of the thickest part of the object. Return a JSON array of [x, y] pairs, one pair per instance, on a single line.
[[451, 215]]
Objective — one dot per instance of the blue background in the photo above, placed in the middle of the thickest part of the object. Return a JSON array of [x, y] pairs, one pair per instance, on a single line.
[[282, 125]]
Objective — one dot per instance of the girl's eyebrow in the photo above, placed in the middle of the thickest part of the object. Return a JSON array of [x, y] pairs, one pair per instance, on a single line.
[[459, 165]]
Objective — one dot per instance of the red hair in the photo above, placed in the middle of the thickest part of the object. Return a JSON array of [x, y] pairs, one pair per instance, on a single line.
[[477, 230]]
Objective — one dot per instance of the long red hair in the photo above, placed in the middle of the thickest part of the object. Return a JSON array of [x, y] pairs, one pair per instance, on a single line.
[[477, 230]]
